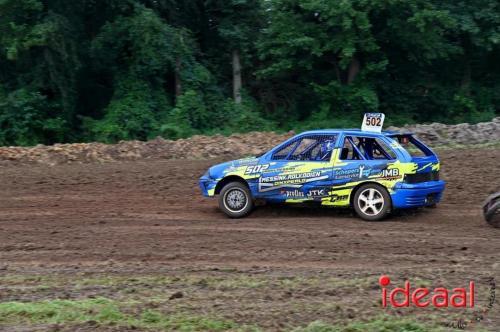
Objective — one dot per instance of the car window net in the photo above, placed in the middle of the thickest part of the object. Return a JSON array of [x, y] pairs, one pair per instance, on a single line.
[[308, 148], [357, 148]]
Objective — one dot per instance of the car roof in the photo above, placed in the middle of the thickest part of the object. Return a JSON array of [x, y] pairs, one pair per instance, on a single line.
[[355, 131]]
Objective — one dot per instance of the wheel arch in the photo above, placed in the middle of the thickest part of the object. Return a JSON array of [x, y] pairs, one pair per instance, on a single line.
[[356, 188], [229, 179]]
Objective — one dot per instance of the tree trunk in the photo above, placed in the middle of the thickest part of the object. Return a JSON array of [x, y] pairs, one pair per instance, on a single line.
[[63, 84], [466, 77], [467, 70], [354, 68], [178, 81], [337, 72], [237, 84]]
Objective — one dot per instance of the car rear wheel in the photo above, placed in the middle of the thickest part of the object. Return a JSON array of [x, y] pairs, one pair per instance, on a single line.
[[235, 200], [372, 202]]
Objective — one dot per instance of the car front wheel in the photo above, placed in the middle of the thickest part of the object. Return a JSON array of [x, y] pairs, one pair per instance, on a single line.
[[235, 200], [372, 202]]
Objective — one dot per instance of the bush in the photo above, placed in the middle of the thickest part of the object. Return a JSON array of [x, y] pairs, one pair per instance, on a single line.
[[135, 112], [26, 119]]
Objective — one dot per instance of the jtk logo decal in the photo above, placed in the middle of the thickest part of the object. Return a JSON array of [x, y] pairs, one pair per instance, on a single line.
[[316, 193]]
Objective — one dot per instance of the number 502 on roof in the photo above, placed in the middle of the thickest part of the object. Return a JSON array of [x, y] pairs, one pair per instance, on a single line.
[[373, 122]]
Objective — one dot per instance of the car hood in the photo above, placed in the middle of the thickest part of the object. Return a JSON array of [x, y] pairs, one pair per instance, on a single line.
[[218, 171]]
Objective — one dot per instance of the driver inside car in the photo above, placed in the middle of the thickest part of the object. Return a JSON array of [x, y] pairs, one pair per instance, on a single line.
[[326, 149]]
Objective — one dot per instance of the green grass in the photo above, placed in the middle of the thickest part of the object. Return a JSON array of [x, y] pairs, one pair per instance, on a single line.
[[125, 310], [106, 312], [61, 311]]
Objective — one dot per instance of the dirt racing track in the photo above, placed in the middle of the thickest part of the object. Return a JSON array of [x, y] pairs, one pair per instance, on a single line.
[[140, 235]]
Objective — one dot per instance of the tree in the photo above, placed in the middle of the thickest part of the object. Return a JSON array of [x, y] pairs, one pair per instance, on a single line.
[[112, 69], [40, 55], [323, 47], [236, 22]]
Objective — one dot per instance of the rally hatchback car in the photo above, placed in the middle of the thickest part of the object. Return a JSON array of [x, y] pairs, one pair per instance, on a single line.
[[371, 172]]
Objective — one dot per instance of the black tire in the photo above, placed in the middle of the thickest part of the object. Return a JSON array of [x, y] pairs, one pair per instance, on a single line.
[[235, 200], [491, 210], [374, 209]]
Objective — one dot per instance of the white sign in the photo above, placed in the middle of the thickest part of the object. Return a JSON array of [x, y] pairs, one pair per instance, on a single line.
[[373, 122]]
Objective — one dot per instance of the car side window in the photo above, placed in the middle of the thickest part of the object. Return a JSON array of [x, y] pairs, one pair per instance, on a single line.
[[370, 148], [303, 149], [383, 151], [349, 152], [283, 152], [308, 148]]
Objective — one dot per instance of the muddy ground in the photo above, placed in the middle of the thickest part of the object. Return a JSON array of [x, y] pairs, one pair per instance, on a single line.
[[140, 234]]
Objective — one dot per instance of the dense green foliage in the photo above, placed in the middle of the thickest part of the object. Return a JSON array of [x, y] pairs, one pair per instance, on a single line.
[[134, 69]]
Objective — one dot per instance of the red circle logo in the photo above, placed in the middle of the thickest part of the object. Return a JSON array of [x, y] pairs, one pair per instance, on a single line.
[[384, 281]]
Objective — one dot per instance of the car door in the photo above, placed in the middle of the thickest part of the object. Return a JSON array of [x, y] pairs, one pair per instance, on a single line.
[[361, 158], [300, 170]]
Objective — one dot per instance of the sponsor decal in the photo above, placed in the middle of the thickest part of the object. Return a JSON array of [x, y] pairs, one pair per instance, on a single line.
[[360, 172], [290, 178], [316, 193], [390, 174], [295, 180], [281, 169], [244, 162], [292, 193], [338, 198], [313, 193], [256, 169]]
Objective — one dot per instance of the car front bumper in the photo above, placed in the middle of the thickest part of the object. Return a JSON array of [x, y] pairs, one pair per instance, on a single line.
[[207, 186], [407, 195]]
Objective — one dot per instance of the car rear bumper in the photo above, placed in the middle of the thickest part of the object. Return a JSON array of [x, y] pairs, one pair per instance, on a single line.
[[207, 186], [417, 195]]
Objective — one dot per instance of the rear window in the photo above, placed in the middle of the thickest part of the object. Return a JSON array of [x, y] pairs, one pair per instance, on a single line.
[[414, 147]]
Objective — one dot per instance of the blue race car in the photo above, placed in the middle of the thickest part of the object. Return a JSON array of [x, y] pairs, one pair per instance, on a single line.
[[372, 172]]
